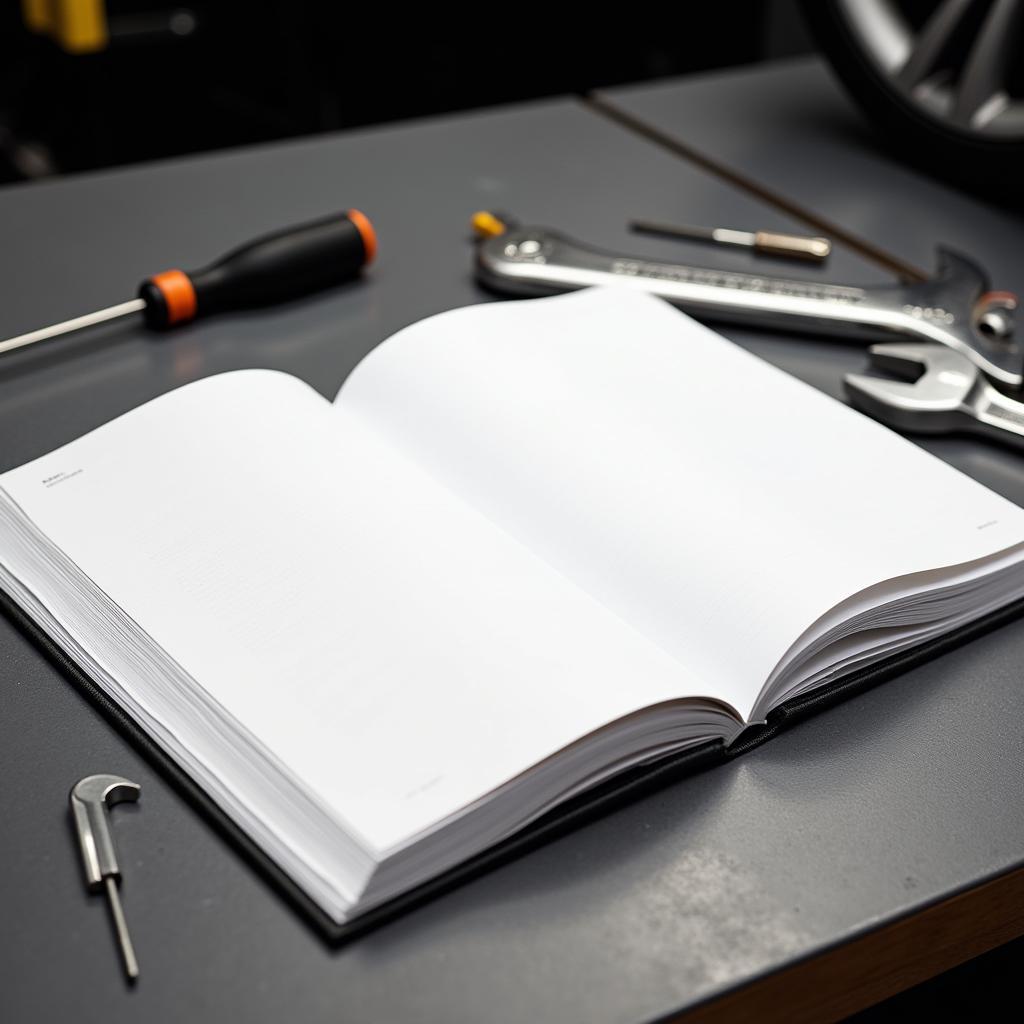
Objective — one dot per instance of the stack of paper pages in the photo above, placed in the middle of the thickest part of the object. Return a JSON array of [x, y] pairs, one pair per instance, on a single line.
[[529, 545]]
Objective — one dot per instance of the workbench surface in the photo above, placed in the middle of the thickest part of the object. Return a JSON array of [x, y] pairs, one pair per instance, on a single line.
[[869, 813]]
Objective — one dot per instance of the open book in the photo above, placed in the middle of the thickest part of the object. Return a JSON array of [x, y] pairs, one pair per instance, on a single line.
[[529, 546]]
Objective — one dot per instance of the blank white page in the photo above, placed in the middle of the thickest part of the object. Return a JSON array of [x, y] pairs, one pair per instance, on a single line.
[[382, 639], [715, 502]]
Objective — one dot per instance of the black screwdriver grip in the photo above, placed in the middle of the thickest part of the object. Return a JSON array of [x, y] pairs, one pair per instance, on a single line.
[[275, 268]]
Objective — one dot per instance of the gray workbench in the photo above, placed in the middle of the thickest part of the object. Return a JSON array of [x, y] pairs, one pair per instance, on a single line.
[[891, 802]]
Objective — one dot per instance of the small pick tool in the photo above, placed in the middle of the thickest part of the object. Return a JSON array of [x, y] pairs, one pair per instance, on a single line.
[[90, 800]]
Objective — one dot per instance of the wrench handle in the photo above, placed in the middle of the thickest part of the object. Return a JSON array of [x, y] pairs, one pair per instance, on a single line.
[[538, 261]]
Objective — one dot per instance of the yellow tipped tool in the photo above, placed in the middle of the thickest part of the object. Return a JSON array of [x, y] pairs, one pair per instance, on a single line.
[[487, 225]]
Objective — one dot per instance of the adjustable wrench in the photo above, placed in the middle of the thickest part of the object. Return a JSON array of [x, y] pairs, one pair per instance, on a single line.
[[950, 395], [954, 308]]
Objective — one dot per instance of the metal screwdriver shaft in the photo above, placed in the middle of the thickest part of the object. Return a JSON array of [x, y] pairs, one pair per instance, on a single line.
[[90, 798], [131, 965], [77, 324]]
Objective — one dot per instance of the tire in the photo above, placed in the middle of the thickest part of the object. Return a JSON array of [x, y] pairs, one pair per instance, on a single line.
[[917, 120]]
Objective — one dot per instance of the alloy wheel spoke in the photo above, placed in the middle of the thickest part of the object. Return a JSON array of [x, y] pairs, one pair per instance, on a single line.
[[932, 41], [988, 62]]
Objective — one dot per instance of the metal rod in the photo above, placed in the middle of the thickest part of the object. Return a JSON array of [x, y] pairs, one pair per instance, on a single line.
[[79, 322], [131, 965], [655, 227]]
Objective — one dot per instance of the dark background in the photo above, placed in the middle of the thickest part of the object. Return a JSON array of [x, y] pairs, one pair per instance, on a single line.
[[177, 79]]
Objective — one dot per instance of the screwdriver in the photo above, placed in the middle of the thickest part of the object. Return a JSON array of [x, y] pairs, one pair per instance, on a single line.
[[771, 243], [274, 268]]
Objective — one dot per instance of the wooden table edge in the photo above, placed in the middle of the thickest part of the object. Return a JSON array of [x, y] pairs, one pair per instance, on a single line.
[[880, 963]]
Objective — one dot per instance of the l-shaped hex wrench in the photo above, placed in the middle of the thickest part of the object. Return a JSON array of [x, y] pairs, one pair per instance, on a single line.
[[954, 307], [90, 798]]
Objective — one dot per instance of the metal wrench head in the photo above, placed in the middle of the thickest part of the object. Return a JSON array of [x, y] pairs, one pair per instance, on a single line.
[[955, 307], [930, 398]]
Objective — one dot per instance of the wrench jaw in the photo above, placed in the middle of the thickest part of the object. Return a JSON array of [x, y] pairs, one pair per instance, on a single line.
[[930, 398], [956, 308]]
